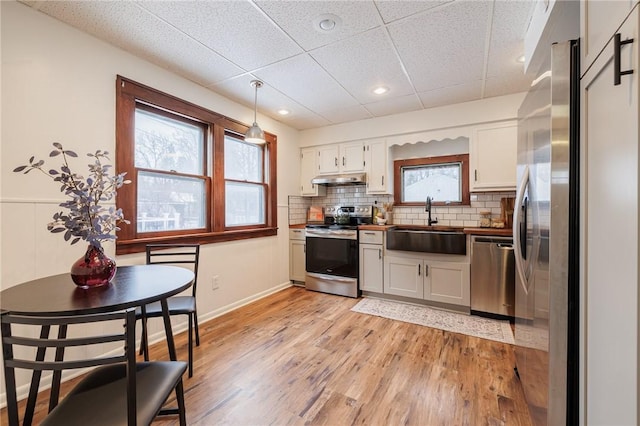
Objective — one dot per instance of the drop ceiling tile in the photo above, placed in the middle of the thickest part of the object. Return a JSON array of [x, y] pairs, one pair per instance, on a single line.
[[452, 95], [392, 10], [340, 114], [129, 27], [363, 62], [237, 30], [443, 47], [306, 82], [510, 20], [506, 84], [394, 105], [299, 19]]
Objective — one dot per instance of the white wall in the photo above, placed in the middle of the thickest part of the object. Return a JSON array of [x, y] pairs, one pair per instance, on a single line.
[[58, 85]]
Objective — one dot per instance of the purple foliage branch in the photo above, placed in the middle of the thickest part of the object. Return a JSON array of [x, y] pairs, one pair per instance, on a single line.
[[87, 217]]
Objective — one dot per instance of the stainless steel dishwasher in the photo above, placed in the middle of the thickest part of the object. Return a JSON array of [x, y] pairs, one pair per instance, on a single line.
[[492, 276]]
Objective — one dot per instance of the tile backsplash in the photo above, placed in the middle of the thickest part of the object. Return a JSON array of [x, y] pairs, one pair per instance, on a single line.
[[356, 195]]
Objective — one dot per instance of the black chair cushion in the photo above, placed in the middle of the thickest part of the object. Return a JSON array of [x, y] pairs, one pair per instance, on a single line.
[[101, 397], [178, 305]]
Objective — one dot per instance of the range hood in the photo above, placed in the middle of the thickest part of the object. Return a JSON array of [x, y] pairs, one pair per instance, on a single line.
[[341, 179]]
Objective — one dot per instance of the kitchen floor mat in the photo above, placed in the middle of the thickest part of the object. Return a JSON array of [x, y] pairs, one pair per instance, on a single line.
[[470, 325]]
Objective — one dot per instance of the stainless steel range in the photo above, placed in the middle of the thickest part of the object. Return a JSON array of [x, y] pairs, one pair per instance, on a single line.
[[332, 250]]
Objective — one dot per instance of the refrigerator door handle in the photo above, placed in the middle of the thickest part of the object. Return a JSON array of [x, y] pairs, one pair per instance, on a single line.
[[516, 228]]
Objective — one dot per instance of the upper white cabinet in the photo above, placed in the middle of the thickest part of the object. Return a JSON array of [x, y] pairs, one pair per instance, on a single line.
[[309, 170], [341, 158], [378, 168], [493, 156], [599, 21], [609, 187]]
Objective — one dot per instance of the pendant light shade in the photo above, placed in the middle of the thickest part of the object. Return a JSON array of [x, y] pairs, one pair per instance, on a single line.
[[255, 133]]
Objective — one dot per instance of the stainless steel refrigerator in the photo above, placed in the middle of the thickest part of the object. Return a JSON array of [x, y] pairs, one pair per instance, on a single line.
[[545, 233]]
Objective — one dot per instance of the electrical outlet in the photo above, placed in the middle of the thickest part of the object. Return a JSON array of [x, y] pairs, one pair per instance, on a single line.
[[215, 282]]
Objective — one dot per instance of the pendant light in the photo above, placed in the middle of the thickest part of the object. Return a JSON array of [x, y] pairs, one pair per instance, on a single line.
[[255, 133]]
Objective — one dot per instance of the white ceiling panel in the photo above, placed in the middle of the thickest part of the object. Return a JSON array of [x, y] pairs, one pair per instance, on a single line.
[[392, 10], [428, 53], [506, 84], [444, 47], [235, 29], [507, 38], [394, 105], [300, 19], [466, 92], [303, 80], [364, 62], [127, 26], [340, 114]]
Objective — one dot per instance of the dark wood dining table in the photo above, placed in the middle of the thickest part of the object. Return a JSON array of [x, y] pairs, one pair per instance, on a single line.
[[57, 295]]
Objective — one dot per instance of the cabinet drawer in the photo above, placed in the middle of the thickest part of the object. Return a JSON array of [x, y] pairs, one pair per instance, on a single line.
[[297, 234], [370, 237]]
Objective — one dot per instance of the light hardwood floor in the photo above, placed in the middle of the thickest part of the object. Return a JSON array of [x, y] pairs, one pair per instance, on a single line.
[[299, 357]]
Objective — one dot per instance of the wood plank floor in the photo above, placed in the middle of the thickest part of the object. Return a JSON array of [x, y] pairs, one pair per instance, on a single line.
[[299, 357]]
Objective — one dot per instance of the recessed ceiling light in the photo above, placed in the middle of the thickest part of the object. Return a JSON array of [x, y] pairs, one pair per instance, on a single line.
[[283, 111], [380, 90], [327, 23], [520, 59]]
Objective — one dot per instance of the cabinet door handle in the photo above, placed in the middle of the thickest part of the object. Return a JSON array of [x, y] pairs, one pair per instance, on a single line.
[[418, 269], [343, 161], [475, 175], [379, 253], [426, 270], [369, 233], [335, 161], [383, 180], [617, 72]]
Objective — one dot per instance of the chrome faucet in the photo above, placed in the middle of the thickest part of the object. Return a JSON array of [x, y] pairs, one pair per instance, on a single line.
[[427, 208]]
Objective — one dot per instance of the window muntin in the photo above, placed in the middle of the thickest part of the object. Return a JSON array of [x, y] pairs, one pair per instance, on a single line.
[[445, 179], [179, 190]]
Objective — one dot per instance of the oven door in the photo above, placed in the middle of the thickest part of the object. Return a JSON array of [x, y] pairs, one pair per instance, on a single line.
[[332, 256]]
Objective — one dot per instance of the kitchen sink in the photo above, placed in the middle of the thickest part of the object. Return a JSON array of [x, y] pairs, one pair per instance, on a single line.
[[427, 239]]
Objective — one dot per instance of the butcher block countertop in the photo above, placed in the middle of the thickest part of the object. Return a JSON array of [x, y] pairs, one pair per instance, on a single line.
[[501, 232]]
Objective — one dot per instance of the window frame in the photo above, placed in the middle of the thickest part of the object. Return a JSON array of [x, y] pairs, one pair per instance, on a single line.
[[130, 94], [398, 165]]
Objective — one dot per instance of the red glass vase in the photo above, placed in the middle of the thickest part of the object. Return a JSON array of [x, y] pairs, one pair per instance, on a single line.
[[94, 269]]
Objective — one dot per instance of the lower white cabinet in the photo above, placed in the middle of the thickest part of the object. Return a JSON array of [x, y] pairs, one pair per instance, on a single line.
[[371, 261], [297, 262], [448, 282], [403, 276], [421, 278]]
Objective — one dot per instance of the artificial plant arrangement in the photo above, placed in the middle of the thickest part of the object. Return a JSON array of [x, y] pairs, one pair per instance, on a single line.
[[87, 217]]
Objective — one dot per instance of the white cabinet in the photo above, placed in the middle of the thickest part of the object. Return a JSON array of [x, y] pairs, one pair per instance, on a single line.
[[448, 282], [424, 278], [341, 158], [377, 167], [403, 276], [493, 157], [599, 21], [309, 170], [371, 260], [609, 195], [297, 253]]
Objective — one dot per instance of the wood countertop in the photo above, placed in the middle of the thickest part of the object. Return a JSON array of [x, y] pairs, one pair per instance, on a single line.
[[501, 232]]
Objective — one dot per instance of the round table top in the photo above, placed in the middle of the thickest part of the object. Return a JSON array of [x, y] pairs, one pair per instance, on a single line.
[[132, 286]]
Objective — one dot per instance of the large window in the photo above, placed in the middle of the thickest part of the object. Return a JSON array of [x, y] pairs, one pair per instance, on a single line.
[[194, 178], [445, 179]]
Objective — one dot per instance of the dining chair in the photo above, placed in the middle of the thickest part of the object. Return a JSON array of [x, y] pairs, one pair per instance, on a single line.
[[176, 254], [117, 391]]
